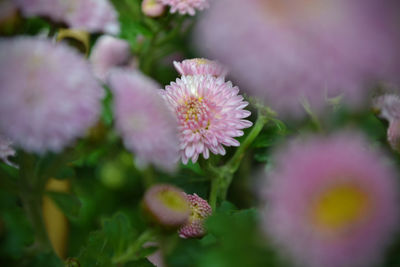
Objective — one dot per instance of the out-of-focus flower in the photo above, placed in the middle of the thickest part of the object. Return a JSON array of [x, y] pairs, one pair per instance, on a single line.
[[48, 96], [200, 210], [152, 8], [331, 202], [6, 150], [288, 52], [388, 108], [210, 114], [107, 53], [147, 126], [88, 15], [200, 66], [186, 6], [166, 205]]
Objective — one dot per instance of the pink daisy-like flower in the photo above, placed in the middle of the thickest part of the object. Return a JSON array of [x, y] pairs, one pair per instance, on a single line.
[[88, 15], [166, 205], [291, 52], [48, 96], [147, 126], [388, 108], [331, 202], [200, 210], [200, 66], [210, 114], [152, 8], [6, 151], [107, 53], [186, 6]]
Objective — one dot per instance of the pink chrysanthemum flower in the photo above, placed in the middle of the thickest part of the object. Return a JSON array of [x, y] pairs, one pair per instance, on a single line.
[[210, 114], [48, 96], [88, 15], [6, 151], [331, 202], [152, 8], [107, 53], [291, 52], [200, 66], [186, 6], [388, 108], [200, 210], [166, 205], [147, 126]]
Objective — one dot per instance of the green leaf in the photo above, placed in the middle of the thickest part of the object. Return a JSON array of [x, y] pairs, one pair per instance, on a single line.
[[68, 203]]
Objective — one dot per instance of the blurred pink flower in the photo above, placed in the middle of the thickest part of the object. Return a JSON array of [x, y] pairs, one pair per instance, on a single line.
[[48, 96], [200, 210], [331, 202], [210, 114], [88, 15], [107, 53], [6, 150], [152, 8], [186, 6], [290, 52], [200, 66], [147, 126], [166, 205]]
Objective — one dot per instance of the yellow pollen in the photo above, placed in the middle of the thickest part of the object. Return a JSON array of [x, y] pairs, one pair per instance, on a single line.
[[339, 207], [201, 61]]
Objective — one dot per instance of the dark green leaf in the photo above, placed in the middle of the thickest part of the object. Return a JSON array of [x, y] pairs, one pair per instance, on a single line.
[[68, 203]]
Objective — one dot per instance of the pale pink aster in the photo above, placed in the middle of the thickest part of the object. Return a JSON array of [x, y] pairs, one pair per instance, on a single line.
[[152, 8], [88, 15], [210, 114], [332, 202], [6, 150], [107, 53], [186, 6], [200, 210], [147, 126], [200, 66], [48, 96], [166, 205], [291, 52]]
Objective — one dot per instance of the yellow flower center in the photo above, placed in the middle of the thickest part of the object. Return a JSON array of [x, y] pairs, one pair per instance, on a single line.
[[173, 200], [339, 207], [201, 61]]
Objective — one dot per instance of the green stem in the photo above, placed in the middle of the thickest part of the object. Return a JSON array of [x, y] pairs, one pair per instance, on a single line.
[[130, 253], [148, 177], [223, 177], [31, 192]]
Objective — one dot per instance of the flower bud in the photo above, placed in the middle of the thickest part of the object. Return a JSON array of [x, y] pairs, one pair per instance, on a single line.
[[166, 205]]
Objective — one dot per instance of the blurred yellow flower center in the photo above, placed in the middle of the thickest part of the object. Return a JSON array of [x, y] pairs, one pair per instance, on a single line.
[[340, 206], [173, 200]]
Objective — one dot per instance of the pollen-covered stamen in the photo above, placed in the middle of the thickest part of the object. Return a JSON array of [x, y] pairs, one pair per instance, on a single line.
[[194, 113]]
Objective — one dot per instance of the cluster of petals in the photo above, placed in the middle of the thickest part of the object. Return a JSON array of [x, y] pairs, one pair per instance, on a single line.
[[291, 52], [388, 108], [147, 126], [6, 150], [186, 6], [88, 15], [166, 205], [210, 114], [200, 210], [200, 66], [331, 201], [48, 95], [109, 52]]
